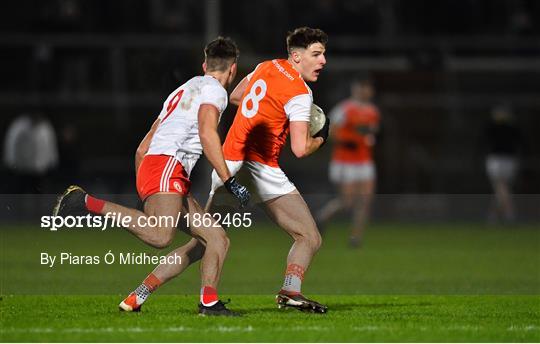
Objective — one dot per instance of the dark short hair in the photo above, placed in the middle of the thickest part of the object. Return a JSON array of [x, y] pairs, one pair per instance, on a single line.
[[303, 37], [220, 54]]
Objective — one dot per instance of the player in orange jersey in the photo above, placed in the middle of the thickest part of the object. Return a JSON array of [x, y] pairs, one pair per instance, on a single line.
[[355, 121], [273, 101]]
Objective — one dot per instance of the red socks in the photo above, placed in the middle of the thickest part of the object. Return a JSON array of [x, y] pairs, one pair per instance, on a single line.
[[209, 296], [94, 205]]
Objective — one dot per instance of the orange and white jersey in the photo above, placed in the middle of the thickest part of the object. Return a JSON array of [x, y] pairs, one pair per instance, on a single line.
[[350, 144], [178, 132], [275, 95]]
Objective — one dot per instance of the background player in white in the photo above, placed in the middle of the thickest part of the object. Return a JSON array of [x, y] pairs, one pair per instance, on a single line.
[[186, 126], [272, 100], [504, 143]]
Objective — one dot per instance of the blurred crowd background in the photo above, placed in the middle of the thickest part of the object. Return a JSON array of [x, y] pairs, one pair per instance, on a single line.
[[95, 74]]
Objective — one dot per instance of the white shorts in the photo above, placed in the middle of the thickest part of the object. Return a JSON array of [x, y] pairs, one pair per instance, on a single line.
[[501, 167], [270, 182], [341, 172]]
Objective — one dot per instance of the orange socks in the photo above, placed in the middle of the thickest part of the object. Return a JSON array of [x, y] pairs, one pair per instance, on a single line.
[[294, 275], [147, 287], [152, 282]]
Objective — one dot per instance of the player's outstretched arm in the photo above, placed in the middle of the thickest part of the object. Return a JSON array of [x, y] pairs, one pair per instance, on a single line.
[[208, 123], [236, 95], [145, 144], [302, 144]]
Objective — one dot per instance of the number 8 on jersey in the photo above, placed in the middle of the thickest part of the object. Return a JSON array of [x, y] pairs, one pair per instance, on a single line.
[[255, 98]]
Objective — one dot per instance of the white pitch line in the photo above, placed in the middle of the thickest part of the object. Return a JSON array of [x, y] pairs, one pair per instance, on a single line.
[[130, 329], [305, 328], [166, 329], [369, 328], [225, 329], [523, 328]]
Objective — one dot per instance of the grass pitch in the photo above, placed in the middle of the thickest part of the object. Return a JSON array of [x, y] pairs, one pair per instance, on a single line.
[[351, 319], [457, 282]]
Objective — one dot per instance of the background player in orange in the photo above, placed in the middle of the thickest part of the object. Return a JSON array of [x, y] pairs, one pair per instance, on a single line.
[[272, 101], [355, 121], [186, 126]]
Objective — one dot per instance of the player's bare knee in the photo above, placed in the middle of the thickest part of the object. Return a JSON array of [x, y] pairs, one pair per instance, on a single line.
[[218, 239], [162, 241], [311, 238], [315, 241], [225, 241]]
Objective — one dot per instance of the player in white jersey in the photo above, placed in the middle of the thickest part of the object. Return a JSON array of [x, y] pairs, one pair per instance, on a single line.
[[185, 128]]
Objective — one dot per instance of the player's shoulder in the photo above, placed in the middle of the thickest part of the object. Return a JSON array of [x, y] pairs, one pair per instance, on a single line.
[[264, 65], [347, 106], [208, 84], [353, 103], [344, 103], [282, 69], [280, 76], [374, 109], [207, 80], [293, 81], [358, 105], [366, 110]]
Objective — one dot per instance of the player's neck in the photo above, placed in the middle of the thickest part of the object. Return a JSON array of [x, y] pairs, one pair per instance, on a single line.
[[361, 100], [295, 66], [219, 76]]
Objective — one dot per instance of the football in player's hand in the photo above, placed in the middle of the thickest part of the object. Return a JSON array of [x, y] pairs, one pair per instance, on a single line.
[[317, 120]]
